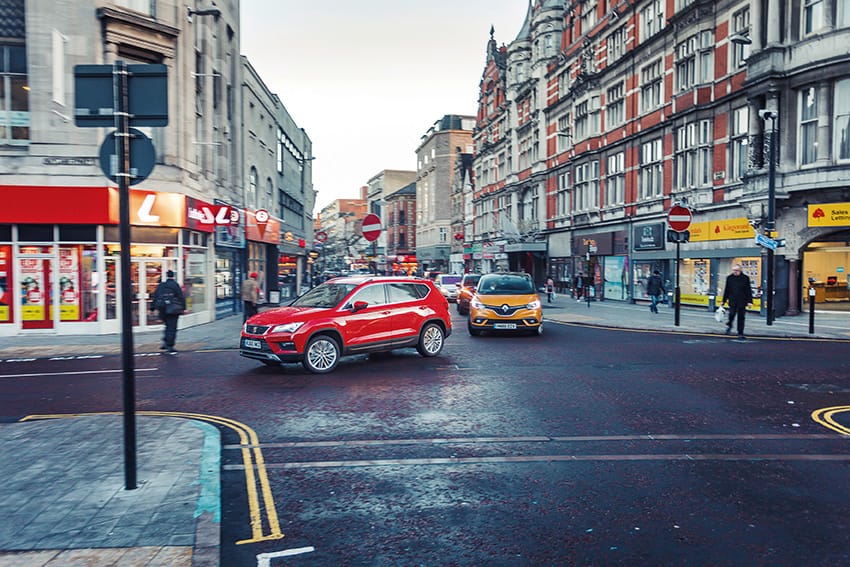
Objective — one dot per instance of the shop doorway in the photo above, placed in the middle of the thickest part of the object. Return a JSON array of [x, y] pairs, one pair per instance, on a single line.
[[145, 275], [35, 296]]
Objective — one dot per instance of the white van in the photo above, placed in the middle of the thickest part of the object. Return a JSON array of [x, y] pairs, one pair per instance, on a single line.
[[448, 285]]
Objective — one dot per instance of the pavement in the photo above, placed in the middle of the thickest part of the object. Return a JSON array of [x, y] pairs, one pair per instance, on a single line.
[[63, 499]]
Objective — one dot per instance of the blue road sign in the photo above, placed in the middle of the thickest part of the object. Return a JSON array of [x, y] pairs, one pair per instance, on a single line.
[[94, 95], [767, 242], [142, 156]]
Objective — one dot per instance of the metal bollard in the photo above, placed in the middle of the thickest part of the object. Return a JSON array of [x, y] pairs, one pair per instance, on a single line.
[[811, 310]]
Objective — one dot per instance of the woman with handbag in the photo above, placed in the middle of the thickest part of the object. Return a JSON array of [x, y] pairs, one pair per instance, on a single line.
[[168, 299]]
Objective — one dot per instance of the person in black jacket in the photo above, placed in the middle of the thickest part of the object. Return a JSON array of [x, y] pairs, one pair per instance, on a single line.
[[739, 295], [168, 299], [654, 289]]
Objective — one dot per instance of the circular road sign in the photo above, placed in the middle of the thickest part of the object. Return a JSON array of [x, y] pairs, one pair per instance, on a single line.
[[321, 236], [142, 157], [371, 227], [679, 218]]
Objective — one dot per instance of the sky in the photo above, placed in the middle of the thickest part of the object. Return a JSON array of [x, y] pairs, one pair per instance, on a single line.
[[367, 78]]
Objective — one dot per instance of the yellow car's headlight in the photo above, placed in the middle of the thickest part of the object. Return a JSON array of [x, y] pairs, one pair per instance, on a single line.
[[475, 303], [534, 304]]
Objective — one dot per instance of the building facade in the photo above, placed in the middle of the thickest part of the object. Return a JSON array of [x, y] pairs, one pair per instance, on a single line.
[[59, 237], [599, 117], [400, 227], [436, 159], [380, 186]]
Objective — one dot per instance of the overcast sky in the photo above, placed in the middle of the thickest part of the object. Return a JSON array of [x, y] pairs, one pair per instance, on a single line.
[[367, 78]]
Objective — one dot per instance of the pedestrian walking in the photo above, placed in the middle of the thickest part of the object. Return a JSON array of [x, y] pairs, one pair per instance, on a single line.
[[250, 296], [739, 295], [578, 286], [550, 290], [654, 289], [169, 300]]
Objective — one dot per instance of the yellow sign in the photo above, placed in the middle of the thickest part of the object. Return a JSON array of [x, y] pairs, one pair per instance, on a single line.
[[727, 229], [829, 214]]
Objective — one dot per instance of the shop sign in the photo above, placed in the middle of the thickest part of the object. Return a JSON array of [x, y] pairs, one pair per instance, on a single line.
[[829, 214], [149, 208], [203, 216], [231, 235], [726, 229], [648, 236], [266, 228], [601, 243], [57, 205]]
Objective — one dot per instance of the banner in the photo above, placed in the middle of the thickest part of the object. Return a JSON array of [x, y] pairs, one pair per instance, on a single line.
[[32, 290], [69, 283]]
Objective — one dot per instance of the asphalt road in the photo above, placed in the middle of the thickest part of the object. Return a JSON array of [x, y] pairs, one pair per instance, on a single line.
[[583, 446]]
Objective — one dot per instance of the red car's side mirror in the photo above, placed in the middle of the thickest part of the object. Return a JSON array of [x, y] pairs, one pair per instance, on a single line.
[[359, 306]]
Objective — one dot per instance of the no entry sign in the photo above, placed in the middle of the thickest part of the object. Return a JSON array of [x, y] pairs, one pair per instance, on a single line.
[[371, 227], [679, 218]]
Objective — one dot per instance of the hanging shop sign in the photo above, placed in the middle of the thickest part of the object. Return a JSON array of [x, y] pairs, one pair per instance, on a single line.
[[648, 236], [260, 226]]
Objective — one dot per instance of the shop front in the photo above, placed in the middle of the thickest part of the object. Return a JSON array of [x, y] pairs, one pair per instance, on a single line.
[[601, 258], [705, 261], [262, 232], [59, 263], [229, 251], [826, 259]]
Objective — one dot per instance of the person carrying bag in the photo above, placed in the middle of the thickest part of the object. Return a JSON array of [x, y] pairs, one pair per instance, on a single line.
[[168, 299]]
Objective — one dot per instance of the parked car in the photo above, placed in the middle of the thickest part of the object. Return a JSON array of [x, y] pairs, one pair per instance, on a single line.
[[465, 289], [505, 302], [349, 315], [447, 284]]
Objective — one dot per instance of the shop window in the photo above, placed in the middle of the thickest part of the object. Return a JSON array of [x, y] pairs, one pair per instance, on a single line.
[[195, 279], [5, 233], [6, 284]]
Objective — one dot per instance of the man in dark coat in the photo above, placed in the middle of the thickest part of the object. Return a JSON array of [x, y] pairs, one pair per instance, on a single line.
[[739, 295], [654, 289], [168, 299]]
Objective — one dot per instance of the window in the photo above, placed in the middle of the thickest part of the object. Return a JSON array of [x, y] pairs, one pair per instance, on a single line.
[[842, 18], [587, 186], [587, 118], [615, 181], [812, 16], [251, 197], [564, 133], [651, 19], [280, 144], [564, 83], [444, 234], [269, 193], [371, 294], [740, 25], [808, 125], [651, 169], [144, 6], [616, 45], [738, 142], [693, 155], [520, 72], [651, 81], [501, 166], [694, 62], [842, 119], [401, 292], [588, 16], [562, 197], [14, 94], [615, 105]]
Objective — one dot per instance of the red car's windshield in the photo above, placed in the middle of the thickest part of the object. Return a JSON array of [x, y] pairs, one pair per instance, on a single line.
[[327, 295]]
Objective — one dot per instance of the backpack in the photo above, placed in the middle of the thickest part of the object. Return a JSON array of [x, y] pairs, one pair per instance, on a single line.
[[167, 301]]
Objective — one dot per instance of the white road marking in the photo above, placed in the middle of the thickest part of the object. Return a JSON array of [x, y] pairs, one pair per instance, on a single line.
[[116, 371], [264, 559]]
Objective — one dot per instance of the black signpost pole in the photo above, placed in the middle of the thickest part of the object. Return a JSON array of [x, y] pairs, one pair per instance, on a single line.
[[122, 152], [678, 293]]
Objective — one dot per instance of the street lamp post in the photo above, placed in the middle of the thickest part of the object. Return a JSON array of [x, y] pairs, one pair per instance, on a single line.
[[771, 209]]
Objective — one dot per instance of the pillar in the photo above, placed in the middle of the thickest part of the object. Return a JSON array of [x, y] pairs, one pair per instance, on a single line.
[[793, 289]]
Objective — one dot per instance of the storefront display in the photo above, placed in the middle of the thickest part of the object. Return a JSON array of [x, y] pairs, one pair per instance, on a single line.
[[6, 284], [616, 278]]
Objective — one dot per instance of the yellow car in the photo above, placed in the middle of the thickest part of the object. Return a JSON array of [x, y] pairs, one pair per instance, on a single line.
[[505, 302]]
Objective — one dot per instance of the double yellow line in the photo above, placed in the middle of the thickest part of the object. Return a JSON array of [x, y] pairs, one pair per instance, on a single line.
[[823, 416], [252, 456]]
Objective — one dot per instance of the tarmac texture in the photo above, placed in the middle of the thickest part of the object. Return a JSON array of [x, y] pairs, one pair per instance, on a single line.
[[63, 498]]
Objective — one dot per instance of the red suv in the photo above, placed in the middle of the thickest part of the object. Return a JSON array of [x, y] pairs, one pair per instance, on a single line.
[[350, 315]]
